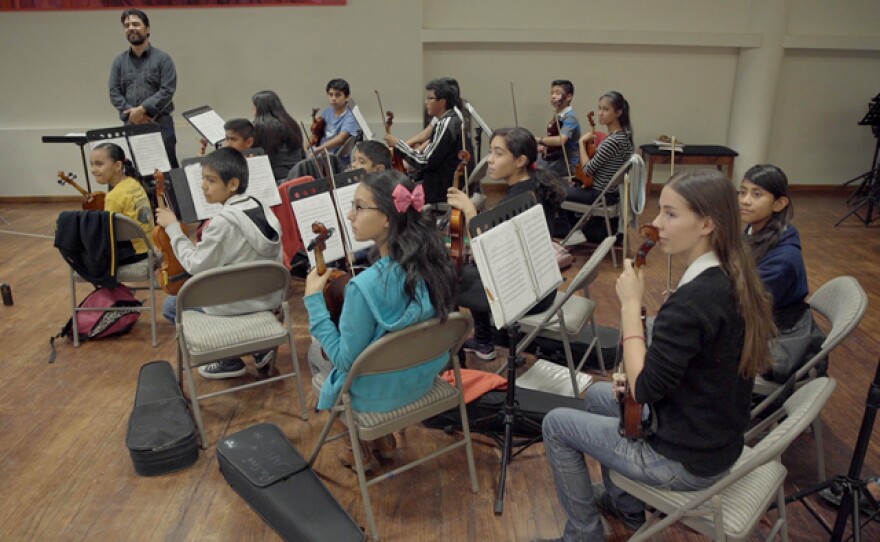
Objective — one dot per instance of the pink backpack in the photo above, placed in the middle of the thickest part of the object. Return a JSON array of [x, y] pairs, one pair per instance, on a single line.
[[100, 324]]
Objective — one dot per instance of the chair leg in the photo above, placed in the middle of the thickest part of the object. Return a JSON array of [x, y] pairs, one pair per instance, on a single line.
[[359, 468], [468, 447], [323, 438], [820, 449], [73, 311], [569, 359], [609, 233], [780, 507], [153, 308], [194, 401], [598, 345], [294, 360]]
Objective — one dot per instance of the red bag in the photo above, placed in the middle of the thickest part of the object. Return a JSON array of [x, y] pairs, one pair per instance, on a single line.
[[100, 324]]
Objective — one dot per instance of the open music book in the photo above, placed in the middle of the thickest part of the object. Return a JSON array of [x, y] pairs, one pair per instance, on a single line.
[[313, 202], [207, 122], [517, 264], [142, 144], [191, 203]]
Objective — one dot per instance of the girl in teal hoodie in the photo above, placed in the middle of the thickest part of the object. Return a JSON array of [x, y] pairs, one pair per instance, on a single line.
[[411, 281]]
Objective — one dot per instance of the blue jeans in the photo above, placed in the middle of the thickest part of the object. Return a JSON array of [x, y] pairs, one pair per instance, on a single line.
[[569, 434]]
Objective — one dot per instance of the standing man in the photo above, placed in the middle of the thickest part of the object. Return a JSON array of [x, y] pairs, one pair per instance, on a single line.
[[143, 81]]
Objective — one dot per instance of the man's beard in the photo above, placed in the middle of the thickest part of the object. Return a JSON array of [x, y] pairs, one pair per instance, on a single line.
[[136, 39]]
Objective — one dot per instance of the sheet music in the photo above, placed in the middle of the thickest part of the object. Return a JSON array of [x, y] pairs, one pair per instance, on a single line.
[[210, 125], [504, 272], [533, 228], [318, 208], [149, 153], [261, 181], [203, 209], [120, 141], [362, 122], [344, 197]]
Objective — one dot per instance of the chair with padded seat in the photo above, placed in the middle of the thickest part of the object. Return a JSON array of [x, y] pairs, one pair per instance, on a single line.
[[204, 338], [409, 347], [730, 509], [125, 229]]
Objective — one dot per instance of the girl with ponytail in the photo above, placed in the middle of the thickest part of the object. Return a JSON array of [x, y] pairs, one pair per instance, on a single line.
[[125, 195], [412, 280], [766, 211], [513, 158]]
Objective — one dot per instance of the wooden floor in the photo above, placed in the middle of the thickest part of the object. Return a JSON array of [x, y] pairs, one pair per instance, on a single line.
[[66, 473]]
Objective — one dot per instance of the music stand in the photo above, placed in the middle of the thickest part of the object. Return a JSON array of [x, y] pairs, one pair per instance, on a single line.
[[479, 129], [510, 413], [80, 141], [869, 188], [850, 487]]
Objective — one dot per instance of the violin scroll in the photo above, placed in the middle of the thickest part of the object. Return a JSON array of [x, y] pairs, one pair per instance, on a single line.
[[651, 236]]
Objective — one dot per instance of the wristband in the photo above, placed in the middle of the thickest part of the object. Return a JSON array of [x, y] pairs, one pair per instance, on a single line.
[[632, 337]]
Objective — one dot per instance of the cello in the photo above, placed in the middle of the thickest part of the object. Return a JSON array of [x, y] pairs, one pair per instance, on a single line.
[[631, 424], [456, 218], [334, 291], [171, 275], [92, 201]]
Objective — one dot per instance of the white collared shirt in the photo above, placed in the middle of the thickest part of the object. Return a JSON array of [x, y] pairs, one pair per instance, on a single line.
[[699, 265]]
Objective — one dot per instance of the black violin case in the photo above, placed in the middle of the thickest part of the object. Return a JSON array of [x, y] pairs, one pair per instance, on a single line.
[[264, 468], [161, 433]]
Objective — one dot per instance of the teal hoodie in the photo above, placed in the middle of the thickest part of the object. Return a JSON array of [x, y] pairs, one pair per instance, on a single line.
[[375, 304]]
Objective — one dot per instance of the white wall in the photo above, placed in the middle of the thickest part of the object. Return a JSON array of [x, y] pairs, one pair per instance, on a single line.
[[675, 61], [56, 80]]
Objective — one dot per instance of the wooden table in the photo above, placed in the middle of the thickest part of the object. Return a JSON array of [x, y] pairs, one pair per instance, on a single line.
[[692, 155]]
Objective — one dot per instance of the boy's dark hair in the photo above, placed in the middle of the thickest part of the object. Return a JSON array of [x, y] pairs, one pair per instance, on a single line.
[[228, 164], [376, 152], [340, 85], [566, 85], [242, 127], [137, 13], [444, 90]]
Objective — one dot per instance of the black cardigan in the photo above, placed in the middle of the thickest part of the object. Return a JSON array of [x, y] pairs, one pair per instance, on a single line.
[[691, 378]]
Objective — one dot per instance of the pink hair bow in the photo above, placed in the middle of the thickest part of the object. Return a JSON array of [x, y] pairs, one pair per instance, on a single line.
[[403, 198]]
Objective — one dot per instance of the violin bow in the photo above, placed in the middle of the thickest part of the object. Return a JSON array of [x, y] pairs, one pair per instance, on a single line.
[[564, 152], [343, 238], [513, 99], [668, 292]]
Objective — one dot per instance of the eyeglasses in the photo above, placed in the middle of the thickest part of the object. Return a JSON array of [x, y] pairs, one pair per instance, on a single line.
[[356, 208], [430, 98]]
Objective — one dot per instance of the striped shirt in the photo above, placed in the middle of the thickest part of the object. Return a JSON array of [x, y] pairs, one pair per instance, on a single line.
[[612, 153]]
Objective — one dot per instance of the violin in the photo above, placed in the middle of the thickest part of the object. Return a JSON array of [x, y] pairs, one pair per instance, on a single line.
[[397, 163], [456, 218], [334, 291], [553, 153], [92, 201], [204, 146], [631, 424], [171, 275], [587, 180], [319, 124]]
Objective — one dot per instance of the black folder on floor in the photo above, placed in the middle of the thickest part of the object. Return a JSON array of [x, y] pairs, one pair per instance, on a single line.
[[264, 468]]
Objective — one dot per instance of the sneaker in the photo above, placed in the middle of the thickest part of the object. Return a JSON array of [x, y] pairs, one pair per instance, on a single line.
[[229, 368], [633, 521], [264, 359], [346, 457], [386, 446], [484, 351]]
